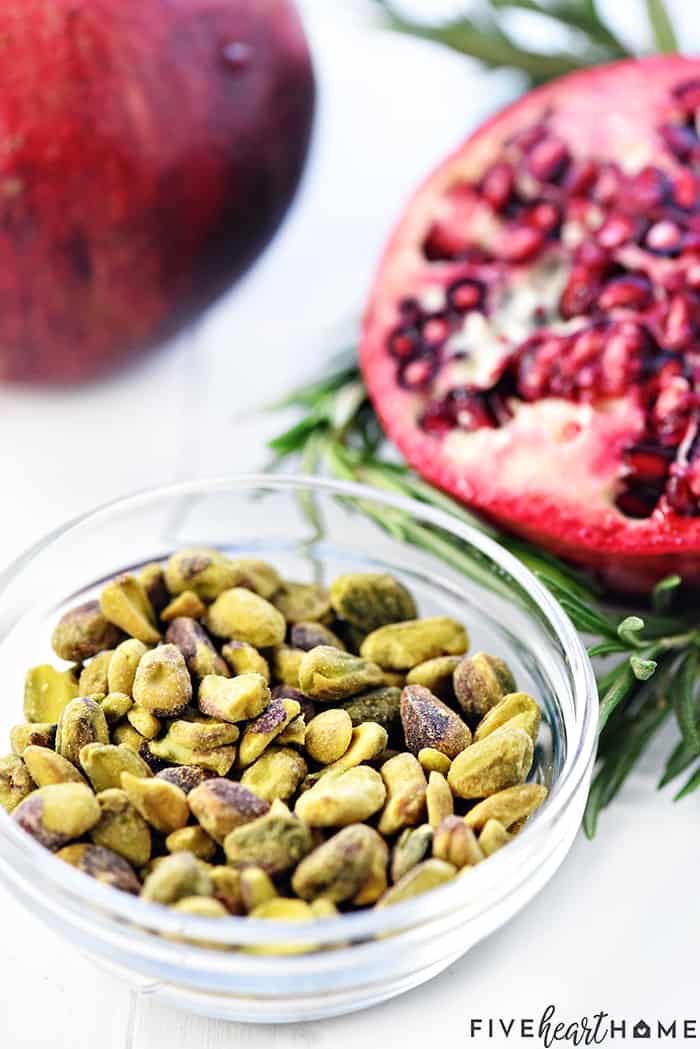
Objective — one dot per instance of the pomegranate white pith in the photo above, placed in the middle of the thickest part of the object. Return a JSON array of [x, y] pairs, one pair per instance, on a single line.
[[532, 344]]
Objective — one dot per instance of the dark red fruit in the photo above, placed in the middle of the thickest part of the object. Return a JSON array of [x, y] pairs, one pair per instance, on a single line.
[[149, 149], [557, 256]]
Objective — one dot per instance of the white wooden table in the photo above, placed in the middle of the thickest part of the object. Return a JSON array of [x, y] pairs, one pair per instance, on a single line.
[[615, 930]]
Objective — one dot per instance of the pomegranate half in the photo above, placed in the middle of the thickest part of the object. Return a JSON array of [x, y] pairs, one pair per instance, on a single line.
[[532, 342], [148, 149]]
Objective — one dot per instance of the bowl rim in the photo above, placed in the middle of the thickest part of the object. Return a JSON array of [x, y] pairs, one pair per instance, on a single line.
[[243, 930]]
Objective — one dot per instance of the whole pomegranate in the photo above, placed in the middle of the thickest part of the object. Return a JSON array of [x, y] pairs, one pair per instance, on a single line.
[[148, 149], [532, 343]]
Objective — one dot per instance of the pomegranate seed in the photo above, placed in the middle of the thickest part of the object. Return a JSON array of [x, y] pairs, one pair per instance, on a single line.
[[644, 191], [621, 359], [435, 330], [547, 159], [664, 238], [417, 373], [593, 258], [692, 276], [438, 419], [544, 216], [580, 177], [633, 291], [687, 95], [685, 189], [616, 230], [520, 243], [679, 139], [647, 465], [404, 342], [465, 295], [608, 184], [497, 185], [679, 323], [580, 293]]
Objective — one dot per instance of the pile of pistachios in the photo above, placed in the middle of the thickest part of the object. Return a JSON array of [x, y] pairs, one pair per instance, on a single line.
[[224, 741]]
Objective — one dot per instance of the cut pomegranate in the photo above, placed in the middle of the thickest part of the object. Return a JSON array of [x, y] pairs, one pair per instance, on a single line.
[[532, 343]]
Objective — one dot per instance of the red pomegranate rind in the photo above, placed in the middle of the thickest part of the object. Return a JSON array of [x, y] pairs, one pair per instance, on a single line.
[[532, 343], [149, 151]]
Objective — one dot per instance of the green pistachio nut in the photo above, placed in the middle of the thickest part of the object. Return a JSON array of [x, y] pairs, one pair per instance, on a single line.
[[434, 760], [328, 675], [185, 777], [419, 879], [412, 846], [16, 782], [260, 732], [338, 869], [439, 801], [196, 647], [276, 842], [381, 705], [186, 605], [103, 764], [93, 678], [152, 579], [277, 774], [302, 602], [147, 725], [123, 664], [455, 842], [501, 760], [46, 767], [162, 685], [220, 805], [34, 734], [81, 722], [518, 710], [342, 797], [125, 603], [328, 735], [369, 600], [115, 706], [401, 646], [47, 692], [103, 865], [436, 675], [428, 722], [256, 887], [493, 837], [57, 815], [177, 877], [308, 635], [245, 616], [286, 664], [121, 828], [405, 784], [194, 840], [82, 632], [234, 699], [204, 571], [509, 806], [480, 682], [163, 805], [242, 658]]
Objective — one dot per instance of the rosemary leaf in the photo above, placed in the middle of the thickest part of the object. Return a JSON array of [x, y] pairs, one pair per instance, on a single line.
[[684, 701], [662, 27]]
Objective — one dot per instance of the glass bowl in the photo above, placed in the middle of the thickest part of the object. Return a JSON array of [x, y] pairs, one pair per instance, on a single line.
[[310, 529]]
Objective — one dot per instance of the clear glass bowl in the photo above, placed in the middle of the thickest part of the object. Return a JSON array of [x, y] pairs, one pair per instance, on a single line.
[[354, 960]]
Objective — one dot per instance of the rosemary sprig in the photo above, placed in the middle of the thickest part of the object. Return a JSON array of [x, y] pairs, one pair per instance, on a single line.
[[656, 652], [483, 36]]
